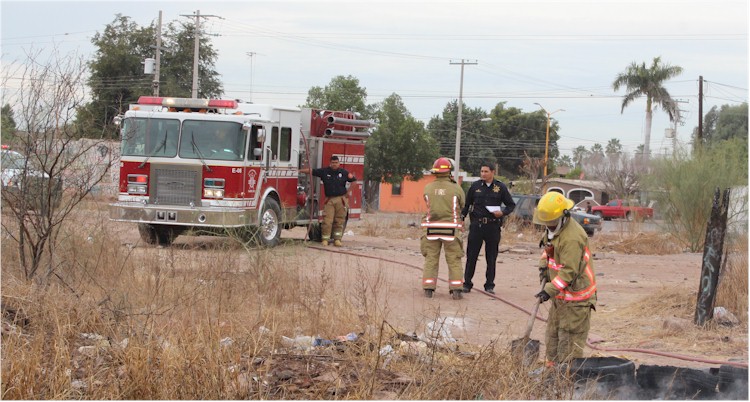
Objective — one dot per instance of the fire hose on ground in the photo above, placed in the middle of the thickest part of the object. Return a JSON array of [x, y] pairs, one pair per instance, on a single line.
[[518, 307]]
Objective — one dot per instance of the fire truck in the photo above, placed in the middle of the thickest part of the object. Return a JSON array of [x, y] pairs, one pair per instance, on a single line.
[[222, 167]]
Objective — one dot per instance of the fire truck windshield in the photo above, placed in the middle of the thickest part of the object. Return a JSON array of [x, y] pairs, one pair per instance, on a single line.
[[150, 137], [198, 139], [217, 140]]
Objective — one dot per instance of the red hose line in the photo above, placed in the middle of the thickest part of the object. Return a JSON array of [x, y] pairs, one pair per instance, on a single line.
[[631, 350]]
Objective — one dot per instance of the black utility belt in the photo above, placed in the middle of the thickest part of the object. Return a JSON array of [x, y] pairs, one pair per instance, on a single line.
[[485, 220]]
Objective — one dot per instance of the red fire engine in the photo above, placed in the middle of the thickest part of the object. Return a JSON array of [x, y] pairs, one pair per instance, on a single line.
[[199, 166]]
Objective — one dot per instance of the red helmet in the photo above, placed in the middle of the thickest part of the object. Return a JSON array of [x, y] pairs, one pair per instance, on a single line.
[[442, 165]]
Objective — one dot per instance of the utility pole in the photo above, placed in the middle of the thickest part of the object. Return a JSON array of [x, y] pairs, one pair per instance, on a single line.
[[251, 54], [155, 83], [699, 137], [196, 49], [457, 159]]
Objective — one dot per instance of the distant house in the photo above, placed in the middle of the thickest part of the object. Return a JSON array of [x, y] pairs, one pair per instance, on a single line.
[[408, 196]]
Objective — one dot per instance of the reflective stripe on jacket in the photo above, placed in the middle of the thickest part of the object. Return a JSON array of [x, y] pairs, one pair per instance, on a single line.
[[444, 199], [571, 270]]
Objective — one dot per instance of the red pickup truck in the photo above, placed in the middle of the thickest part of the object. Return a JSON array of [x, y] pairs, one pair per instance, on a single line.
[[629, 210]]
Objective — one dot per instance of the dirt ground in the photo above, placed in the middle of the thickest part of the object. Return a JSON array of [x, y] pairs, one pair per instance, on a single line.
[[376, 250]]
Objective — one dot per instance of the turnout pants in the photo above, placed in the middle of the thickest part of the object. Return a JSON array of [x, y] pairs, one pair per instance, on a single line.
[[567, 330], [454, 251], [489, 234], [334, 215]]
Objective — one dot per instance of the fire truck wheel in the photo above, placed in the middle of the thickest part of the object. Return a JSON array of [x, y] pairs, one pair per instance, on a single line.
[[156, 234], [269, 230]]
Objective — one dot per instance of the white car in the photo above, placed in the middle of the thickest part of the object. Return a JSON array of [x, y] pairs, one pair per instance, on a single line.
[[19, 177]]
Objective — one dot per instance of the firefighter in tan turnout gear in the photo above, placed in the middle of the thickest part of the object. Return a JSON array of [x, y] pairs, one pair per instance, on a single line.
[[442, 224], [334, 179], [567, 265]]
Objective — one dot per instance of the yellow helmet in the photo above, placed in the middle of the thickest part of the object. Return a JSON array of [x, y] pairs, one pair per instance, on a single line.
[[551, 207]]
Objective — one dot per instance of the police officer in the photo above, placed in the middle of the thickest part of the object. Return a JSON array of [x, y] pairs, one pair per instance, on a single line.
[[569, 269], [444, 200], [334, 180], [485, 198]]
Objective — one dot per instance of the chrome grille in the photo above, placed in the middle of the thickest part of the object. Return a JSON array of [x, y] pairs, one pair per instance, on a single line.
[[175, 187]]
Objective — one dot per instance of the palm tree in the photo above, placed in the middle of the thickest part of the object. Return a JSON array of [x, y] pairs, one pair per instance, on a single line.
[[640, 80], [613, 147], [579, 153]]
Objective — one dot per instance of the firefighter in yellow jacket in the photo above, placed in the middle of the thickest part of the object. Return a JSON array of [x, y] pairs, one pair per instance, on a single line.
[[568, 267], [443, 224]]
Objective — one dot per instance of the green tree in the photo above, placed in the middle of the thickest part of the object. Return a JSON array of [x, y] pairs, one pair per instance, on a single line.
[[722, 124], [507, 139], [8, 127], [342, 93], [579, 154], [564, 160], [117, 78], [613, 147], [684, 187], [639, 80], [400, 147], [597, 150]]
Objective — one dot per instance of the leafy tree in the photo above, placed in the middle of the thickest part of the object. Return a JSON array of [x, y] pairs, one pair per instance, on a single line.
[[613, 147], [507, 139], [564, 160], [8, 127], [579, 154], [117, 77], [684, 187], [342, 93], [597, 150], [722, 124], [399, 147], [640, 80]]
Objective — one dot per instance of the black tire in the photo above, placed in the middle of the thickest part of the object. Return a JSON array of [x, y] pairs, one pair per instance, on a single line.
[[733, 382], [157, 234], [604, 369], [315, 232], [269, 225], [669, 382]]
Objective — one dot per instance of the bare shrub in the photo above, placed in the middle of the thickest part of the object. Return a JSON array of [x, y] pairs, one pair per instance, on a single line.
[[56, 174]]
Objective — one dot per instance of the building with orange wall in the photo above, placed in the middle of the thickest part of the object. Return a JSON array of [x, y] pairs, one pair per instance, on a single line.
[[408, 196]]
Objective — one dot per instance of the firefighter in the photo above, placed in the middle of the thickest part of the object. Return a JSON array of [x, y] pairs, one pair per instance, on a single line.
[[567, 265], [334, 180], [444, 199]]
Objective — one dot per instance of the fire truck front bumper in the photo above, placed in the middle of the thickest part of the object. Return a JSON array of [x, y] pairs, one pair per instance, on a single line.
[[137, 212]]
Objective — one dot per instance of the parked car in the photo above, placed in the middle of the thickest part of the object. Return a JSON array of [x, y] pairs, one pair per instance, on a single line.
[[21, 178], [628, 209], [526, 204]]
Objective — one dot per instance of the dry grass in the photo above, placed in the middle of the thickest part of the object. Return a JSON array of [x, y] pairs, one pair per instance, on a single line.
[[205, 320]]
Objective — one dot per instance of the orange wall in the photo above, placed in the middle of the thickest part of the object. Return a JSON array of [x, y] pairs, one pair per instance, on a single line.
[[411, 199]]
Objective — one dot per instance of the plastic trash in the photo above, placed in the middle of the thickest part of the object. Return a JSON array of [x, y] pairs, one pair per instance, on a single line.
[[301, 342], [387, 350]]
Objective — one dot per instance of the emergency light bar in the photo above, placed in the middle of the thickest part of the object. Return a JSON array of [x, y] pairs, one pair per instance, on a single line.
[[188, 103]]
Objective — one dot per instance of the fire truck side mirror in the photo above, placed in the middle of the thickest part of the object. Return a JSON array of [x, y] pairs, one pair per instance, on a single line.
[[261, 135], [257, 152], [117, 120]]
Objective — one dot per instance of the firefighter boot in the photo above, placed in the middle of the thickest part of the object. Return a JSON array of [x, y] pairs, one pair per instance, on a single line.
[[428, 293], [324, 243], [457, 294], [337, 243]]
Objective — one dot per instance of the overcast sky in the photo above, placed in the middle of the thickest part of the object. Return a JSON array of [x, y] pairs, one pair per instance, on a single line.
[[560, 54]]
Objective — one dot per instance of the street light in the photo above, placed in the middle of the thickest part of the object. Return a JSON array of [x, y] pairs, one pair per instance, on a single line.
[[546, 144]]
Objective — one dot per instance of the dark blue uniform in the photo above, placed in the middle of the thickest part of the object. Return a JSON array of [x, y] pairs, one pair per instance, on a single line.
[[485, 227]]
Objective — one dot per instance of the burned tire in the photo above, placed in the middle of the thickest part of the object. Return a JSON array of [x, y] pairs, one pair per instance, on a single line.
[[157, 234], [733, 382], [669, 382], [604, 369], [269, 227]]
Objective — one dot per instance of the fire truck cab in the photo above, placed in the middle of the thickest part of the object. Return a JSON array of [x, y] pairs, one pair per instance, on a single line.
[[199, 166]]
